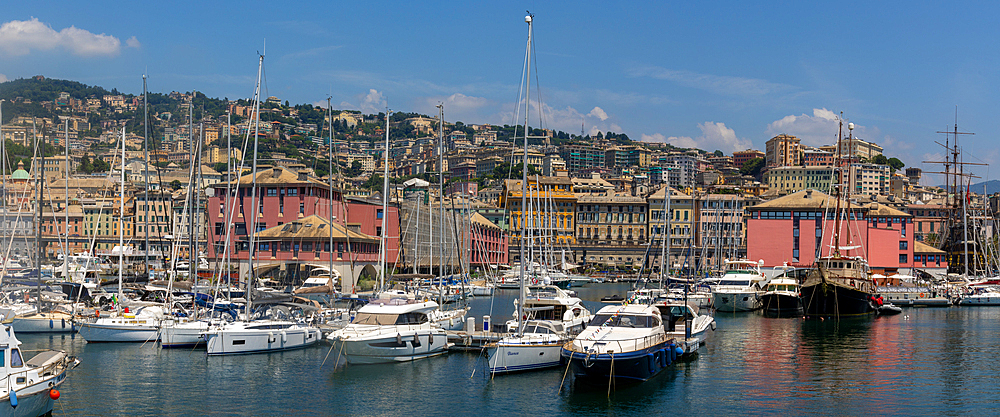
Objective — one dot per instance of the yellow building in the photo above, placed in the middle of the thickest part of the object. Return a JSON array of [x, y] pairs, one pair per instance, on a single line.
[[551, 210]]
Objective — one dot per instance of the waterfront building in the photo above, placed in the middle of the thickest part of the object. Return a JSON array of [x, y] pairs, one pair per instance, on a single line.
[[553, 212], [284, 196], [796, 228], [719, 231], [679, 229], [611, 230], [930, 221]]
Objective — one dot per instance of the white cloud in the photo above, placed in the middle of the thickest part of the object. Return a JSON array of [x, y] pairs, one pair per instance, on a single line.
[[818, 129], [718, 84], [598, 113], [20, 37], [3, 78], [567, 119], [713, 136], [133, 43], [372, 102], [821, 129], [457, 107]]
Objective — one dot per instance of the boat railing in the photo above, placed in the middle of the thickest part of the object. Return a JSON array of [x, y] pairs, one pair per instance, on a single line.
[[633, 344]]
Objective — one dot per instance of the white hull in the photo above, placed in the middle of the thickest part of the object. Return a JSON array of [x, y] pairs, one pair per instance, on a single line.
[[387, 347], [514, 357], [181, 335], [736, 301], [242, 338], [43, 325], [120, 330], [980, 300]]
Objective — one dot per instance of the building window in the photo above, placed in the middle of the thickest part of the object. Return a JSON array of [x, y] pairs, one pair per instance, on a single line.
[[272, 192], [903, 245], [903, 258], [378, 215], [302, 208]]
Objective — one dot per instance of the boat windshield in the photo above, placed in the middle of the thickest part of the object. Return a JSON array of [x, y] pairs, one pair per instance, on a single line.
[[376, 319], [775, 287], [740, 283], [625, 321], [537, 330]]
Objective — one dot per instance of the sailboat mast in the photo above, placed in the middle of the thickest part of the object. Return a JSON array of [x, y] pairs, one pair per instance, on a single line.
[[229, 207], [253, 192], [145, 150], [524, 181], [66, 210], [441, 186], [840, 186], [40, 187], [329, 113], [385, 203], [121, 226]]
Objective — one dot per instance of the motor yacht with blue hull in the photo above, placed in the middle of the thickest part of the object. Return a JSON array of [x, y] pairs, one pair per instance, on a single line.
[[626, 343]]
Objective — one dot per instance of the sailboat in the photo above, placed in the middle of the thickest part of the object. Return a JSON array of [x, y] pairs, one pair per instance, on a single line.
[[535, 344], [54, 319], [264, 333], [839, 284], [142, 325]]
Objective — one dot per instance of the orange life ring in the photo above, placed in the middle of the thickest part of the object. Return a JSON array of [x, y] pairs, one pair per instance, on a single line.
[[922, 295]]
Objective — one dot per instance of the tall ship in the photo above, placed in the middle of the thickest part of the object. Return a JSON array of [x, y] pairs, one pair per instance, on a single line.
[[840, 284]]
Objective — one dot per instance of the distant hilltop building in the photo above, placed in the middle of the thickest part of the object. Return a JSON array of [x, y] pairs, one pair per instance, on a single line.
[[783, 150]]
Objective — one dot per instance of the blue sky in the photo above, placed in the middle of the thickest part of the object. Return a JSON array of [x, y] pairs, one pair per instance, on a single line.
[[718, 75]]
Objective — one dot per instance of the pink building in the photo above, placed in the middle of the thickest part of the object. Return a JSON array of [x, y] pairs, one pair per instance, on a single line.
[[487, 243], [794, 228]]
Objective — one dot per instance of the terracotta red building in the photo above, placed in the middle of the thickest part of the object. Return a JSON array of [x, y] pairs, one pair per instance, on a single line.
[[304, 203]]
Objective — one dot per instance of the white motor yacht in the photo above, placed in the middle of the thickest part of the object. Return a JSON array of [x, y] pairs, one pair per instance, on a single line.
[[28, 386], [781, 295], [392, 330], [550, 302], [739, 288]]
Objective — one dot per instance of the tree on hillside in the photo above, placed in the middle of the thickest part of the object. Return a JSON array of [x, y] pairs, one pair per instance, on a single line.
[[753, 167], [895, 164]]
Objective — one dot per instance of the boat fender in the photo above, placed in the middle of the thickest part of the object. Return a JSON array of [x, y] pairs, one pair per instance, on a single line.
[[64, 323], [270, 337], [713, 326], [652, 362], [664, 359], [54, 394], [399, 339], [52, 324], [670, 350], [679, 351], [284, 337], [13, 398]]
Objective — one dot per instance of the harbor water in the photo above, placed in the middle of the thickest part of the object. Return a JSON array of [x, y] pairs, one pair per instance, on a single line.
[[926, 360]]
